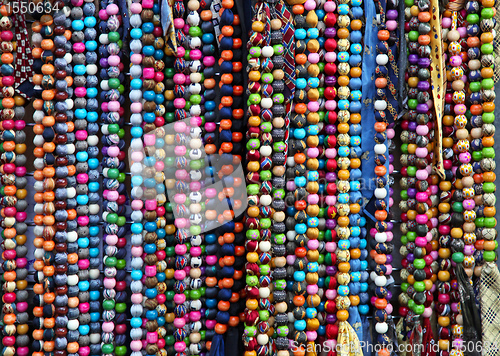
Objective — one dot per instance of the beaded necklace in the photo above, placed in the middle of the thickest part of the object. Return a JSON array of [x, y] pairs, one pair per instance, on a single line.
[[86, 157], [381, 232], [259, 185], [278, 261], [66, 340], [330, 144], [136, 156], [13, 194], [43, 322]]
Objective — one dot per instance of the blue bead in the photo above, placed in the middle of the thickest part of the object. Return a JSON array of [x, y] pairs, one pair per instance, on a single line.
[[158, 54], [363, 309], [82, 199], [91, 92], [343, 291], [83, 286], [94, 252], [300, 181], [300, 34], [150, 226], [355, 107], [94, 230], [301, 228], [90, 21], [136, 228], [208, 38], [356, 36], [84, 329], [299, 134], [210, 105], [94, 295], [148, 50], [94, 317], [313, 33], [136, 322], [91, 46], [301, 83], [136, 275], [81, 114], [299, 276], [82, 156], [151, 293], [80, 69], [161, 321], [161, 276], [343, 9], [313, 222], [162, 233], [300, 325], [136, 33], [83, 242], [150, 248], [136, 132], [343, 104], [136, 83], [77, 25], [92, 116], [136, 181], [148, 27], [93, 186]]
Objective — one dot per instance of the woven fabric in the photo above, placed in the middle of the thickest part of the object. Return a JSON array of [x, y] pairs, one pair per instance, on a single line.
[[24, 59], [490, 309]]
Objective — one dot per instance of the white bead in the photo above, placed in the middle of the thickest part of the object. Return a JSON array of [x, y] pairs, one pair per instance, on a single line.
[[382, 59], [266, 200], [380, 193], [136, 169], [72, 280], [195, 77], [136, 71], [264, 292], [93, 140], [38, 163], [70, 103], [380, 149], [195, 88], [91, 69], [195, 143], [265, 246], [95, 338], [38, 230], [195, 42], [71, 192], [135, 20], [381, 328], [266, 103], [136, 216], [262, 339], [380, 281], [70, 149], [290, 162], [72, 236], [266, 151], [373, 275], [94, 209], [38, 253], [68, 57], [103, 39], [290, 235], [38, 116], [381, 237], [38, 186], [104, 85], [73, 324], [267, 51], [136, 239], [380, 105]]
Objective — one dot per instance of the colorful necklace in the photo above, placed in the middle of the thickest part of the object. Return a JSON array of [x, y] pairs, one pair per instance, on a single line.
[[13, 195]]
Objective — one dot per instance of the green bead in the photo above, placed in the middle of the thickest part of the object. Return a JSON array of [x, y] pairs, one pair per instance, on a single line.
[[195, 99], [253, 189], [321, 113], [490, 223], [404, 286], [264, 270], [170, 295], [266, 127], [419, 286], [412, 171], [196, 164], [113, 36], [321, 66], [107, 348], [263, 315], [265, 223], [487, 83], [412, 103], [186, 54], [108, 304], [472, 19], [169, 340], [487, 13], [404, 148], [121, 264], [488, 152], [278, 98], [479, 222], [121, 350], [419, 309], [121, 177], [409, 3], [404, 240], [110, 261], [477, 156], [475, 87], [194, 294], [255, 51], [489, 256], [267, 78], [121, 89], [203, 334], [195, 230], [113, 128], [265, 175], [419, 263], [252, 281], [113, 173], [195, 31], [404, 194], [457, 257], [411, 235], [112, 218], [488, 117], [121, 307], [457, 207], [253, 144], [413, 36], [254, 99], [411, 304], [489, 187], [114, 83], [321, 259]]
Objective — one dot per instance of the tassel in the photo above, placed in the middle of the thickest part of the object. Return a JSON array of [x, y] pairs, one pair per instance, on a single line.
[[217, 348], [428, 339], [311, 349], [348, 343], [416, 340], [470, 313], [232, 342], [402, 335]]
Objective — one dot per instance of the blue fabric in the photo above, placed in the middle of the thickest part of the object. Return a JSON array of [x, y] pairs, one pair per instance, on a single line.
[[355, 321], [367, 110], [402, 60], [366, 345], [165, 16], [217, 348], [122, 4]]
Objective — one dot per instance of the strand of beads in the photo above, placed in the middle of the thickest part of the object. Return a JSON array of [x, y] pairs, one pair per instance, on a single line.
[[84, 36], [330, 144], [43, 322], [136, 156], [114, 328], [152, 188], [209, 96], [278, 261], [66, 339], [445, 185], [380, 233], [258, 186], [488, 210], [12, 201]]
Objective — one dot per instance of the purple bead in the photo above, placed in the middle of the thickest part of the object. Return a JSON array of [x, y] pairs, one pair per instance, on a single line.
[[104, 151], [391, 158], [392, 14], [330, 177], [330, 270], [412, 126], [389, 259], [103, 62], [330, 129], [330, 224], [330, 80], [410, 257], [389, 295], [391, 192], [330, 32], [390, 226], [413, 58], [424, 62], [331, 319], [423, 85], [412, 192], [422, 108]]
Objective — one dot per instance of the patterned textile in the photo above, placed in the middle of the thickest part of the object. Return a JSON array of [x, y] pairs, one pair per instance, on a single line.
[[489, 289], [24, 60]]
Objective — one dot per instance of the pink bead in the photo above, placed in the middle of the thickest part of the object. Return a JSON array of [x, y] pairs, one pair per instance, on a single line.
[[210, 126], [290, 185], [180, 249], [311, 335], [181, 51], [422, 130], [389, 309], [330, 57], [313, 199], [312, 152], [331, 200], [20, 124], [159, 166], [148, 73], [136, 58], [22, 262], [422, 219], [389, 270], [83, 264], [180, 223], [422, 174], [9, 168], [84, 351], [112, 9], [421, 241], [137, 204], [469, 250], [136, 298], [22, 306], [446, 22], [113, 106], [81, 135], [178, 24], [391, 25], [421, 152], [331, 246], [113, 151], [152, 337], [23, 351], [149, 139], [313, 244], [179, 298], [136, 345], [137, 156], [313, 106], [148, 4], [465, 157], [195, 251], [195, 186], [427, 313], [195, 54], [462, 31], [136, 108], [181, 174], [109, 283], [313, 57], [161, 298], [331, 153], [290, 259], [151, 205], [9, 254], [104, 107], [108, 326], [331, 294], [310, 5], [330, 6], [469, 204], [111, 240], [331, 105], [179, 103], [9, 297], [211, 260], [460, 109], [21, 216], [79, 47], [113, 195], [150, 271], [83, 220], [180, 346], [136, 251], [8, 81], [80, 92], [103, 15], [312, 289]]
